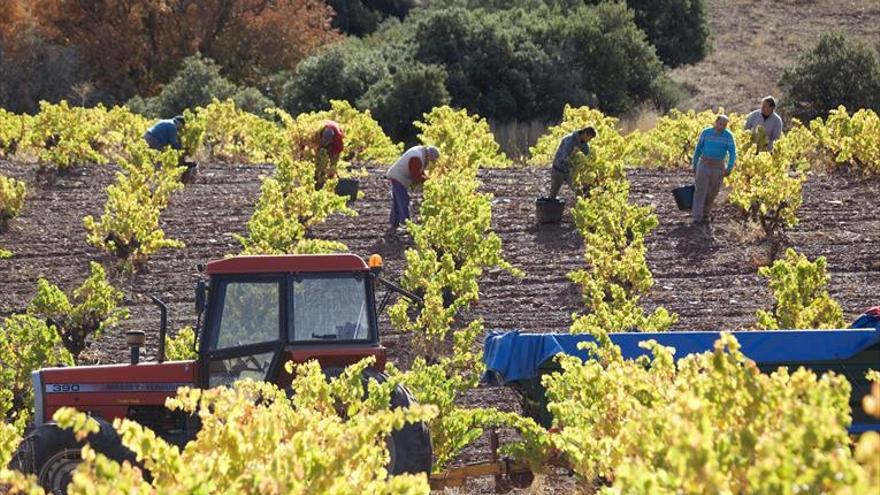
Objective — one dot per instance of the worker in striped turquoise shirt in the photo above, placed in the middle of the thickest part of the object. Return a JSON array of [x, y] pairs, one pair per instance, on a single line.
[[715, 144]]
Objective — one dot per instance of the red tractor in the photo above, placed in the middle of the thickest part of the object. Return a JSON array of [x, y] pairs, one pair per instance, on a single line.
[[259, 312]]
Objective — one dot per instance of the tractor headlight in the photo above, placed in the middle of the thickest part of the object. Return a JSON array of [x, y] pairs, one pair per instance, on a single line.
[[39, 408]]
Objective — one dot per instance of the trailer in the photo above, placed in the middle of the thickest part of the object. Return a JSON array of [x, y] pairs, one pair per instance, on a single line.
[[519, 360]]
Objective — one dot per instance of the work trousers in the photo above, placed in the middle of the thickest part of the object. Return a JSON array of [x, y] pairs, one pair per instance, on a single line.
[[399, 203], [710, 175], [558, 178], [152, 142]]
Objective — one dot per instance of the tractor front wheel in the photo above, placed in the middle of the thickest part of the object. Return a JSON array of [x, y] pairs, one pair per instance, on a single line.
[[410, 446], [53, 454]]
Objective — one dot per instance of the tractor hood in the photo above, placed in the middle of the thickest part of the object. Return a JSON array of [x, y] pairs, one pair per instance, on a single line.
[[108, 391]]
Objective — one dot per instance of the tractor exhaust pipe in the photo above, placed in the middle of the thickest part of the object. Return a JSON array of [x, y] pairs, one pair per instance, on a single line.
[[163, 326]]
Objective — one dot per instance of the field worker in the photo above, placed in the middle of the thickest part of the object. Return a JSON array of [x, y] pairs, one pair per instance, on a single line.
[[714, 145], [560, 172], [407, 171], [767, 118], [329, 145], [164, 133]]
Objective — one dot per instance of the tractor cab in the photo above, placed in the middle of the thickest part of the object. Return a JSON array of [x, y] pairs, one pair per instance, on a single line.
[[259, 312], [262, 311]]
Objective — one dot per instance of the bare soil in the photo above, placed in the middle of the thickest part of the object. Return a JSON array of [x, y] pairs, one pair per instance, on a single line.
[[710, 282]]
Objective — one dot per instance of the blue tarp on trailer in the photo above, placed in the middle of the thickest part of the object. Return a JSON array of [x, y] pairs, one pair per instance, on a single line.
[[511, 356]]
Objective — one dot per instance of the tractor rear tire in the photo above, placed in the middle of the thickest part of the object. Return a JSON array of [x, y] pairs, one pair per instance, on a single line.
[[52, 454], [410, 446]]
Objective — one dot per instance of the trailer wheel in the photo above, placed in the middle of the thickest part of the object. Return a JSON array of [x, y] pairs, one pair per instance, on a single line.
[[53, 454], [410, 446]]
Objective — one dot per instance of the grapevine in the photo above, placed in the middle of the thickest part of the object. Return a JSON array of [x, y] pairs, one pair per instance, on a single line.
[[617, 275], [466, 141], [851, 139], [129, 228], [799, 288], [671, 142], [712, 423], [92, 311], [608, 150], [12, 194], [253, 435]]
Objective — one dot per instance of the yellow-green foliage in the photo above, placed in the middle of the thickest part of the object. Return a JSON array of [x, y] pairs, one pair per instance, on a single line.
[[671, 142], [444, 383], [465, 141], [220, 131], [63, 136], [12, 193], [851, 139], [453, 245], [767, 187], [4, 254], [713, 423], [129, 227], [608, 150], [288, 206], [93, 310], [867, 450], [181, 347], [12, 132], [327, 438], [27, 344], [617, 274], [799, 288], [365, 141]]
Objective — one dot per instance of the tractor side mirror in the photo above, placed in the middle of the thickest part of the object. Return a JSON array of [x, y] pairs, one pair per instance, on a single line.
[[201, 296]]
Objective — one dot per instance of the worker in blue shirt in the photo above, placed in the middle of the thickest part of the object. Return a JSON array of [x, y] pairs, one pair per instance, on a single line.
[[714, 145], [165, 133], [561, 170]]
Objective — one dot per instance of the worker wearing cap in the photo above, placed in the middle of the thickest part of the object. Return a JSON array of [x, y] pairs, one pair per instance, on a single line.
[[407, 171], [560, 172], [714, 145], [165, 133], [329, 145], [767, 118]]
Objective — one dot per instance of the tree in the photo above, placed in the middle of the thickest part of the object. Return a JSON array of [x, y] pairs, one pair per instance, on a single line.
[[403, 97], [835, 71], [362, 17], [136, 45], [197, 84], [341, 71]]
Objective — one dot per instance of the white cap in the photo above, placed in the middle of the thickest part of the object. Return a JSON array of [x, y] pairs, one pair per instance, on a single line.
[[432, 153]]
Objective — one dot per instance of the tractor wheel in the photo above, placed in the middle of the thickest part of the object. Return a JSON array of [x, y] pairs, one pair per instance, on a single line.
[[410, 446], [52, 454]]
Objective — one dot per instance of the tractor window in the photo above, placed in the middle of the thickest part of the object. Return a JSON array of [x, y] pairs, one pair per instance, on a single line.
[[249, 313], [228, 371], [330, 308]]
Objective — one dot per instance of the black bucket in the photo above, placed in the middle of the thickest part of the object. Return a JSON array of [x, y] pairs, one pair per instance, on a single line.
[[348, 187], [549, 210], [684, 197]]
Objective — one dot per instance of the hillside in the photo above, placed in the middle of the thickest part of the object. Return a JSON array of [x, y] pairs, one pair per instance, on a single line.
[[754, 40]]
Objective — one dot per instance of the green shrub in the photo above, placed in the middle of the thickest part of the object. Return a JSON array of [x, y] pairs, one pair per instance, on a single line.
[[197, 83], [341, 71], [403, 97], [835, 71], [359, 18]]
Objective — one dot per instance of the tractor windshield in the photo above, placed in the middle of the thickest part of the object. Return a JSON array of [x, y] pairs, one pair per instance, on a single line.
[[330, 307]]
